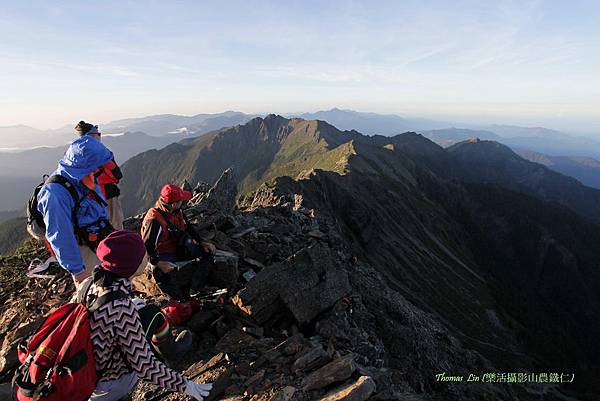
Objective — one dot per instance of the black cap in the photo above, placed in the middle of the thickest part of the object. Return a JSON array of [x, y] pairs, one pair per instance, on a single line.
[[83, 128]]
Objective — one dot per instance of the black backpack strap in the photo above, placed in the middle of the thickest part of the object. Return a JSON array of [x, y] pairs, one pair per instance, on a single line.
[[59, 179], [166, 219], [106, 298], [173, 227], [83, 291]]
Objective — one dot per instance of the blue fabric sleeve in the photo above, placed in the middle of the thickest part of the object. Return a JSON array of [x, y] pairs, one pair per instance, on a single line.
[[56, 205]]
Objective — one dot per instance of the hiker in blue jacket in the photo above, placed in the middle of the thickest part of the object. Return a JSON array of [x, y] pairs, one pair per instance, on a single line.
[[74, 230]]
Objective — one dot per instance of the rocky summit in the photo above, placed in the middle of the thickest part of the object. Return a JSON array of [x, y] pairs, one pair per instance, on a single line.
[[361, 268]]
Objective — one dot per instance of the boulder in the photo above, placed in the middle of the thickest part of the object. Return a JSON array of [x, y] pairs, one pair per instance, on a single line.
[[285, 394], [338, 370], [8, 356], [234, 341], [306, 284], [222, 382], [224, 273], [202, 320], [256, 378], [314, 358], [357, 391], [254, 263]]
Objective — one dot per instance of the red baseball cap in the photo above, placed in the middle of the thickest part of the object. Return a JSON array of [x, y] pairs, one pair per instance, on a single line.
[[172, 193]]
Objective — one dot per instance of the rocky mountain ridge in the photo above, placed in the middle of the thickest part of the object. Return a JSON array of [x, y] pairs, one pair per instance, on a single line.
[[314, 323]]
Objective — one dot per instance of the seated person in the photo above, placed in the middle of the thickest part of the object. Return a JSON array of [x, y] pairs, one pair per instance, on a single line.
[[122, 353], [169, 239]]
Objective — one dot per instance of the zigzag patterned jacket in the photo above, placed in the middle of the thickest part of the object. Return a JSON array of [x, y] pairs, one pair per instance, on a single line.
[[120, 346]]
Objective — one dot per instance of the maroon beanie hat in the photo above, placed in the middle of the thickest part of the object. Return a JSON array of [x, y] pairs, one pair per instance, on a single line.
[[121, 252]]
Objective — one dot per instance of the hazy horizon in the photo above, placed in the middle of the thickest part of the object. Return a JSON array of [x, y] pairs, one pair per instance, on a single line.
[[453, 121], [527, 63]]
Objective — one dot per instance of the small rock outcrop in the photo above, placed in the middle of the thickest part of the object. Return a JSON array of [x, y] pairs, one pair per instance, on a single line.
[[305, 285]]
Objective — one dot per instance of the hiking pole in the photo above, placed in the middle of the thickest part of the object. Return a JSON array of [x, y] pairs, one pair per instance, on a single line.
[[214, 294]]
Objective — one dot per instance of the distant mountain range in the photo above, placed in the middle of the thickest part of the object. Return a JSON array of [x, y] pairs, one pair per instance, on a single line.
[[584, 169], [165, 124], [450, 136], [12, 234], [19, 137], [300, 143], [372, 123], [540, 140], [22, 170], [22, 136]]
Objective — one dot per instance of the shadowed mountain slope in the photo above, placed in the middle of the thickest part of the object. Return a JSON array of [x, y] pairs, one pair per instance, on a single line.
[[492, 162], [584, 169]]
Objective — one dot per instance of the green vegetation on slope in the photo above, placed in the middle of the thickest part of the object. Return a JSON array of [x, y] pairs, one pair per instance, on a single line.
[[258, 151], [12, 234]]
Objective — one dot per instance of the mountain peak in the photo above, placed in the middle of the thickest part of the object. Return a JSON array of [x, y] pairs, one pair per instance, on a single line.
[[482, 145], [275, 118]]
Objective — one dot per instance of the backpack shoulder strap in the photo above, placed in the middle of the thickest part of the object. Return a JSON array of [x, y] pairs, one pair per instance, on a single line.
[[59, 179], [164, 215], [106, 298], [83, 291]]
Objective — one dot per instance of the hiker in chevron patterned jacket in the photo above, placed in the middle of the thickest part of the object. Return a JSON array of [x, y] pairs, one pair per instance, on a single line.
[[121, 351]]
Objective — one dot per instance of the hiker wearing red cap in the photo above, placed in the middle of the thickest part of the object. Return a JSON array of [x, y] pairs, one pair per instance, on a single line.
[[121, 351], [168, 239]]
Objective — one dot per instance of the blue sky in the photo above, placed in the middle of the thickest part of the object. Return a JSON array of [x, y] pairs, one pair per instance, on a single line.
[[522, 62]]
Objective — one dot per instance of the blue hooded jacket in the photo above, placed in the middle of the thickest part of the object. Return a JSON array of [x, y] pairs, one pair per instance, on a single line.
[[55, 203]]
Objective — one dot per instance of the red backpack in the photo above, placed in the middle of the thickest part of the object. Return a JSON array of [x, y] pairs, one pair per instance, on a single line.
[[57, 362]]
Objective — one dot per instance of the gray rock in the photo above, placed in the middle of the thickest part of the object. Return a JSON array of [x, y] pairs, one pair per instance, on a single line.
[[313, 359], [8, 356], [358, 391], [285, 394], [202, 320], [306, 284], [243, 232], [338, 370], [224, 272]]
